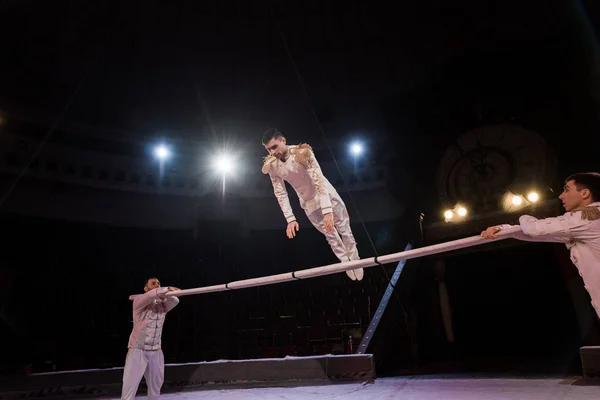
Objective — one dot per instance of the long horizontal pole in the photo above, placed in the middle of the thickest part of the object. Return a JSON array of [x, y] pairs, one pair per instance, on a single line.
[[346, 266]]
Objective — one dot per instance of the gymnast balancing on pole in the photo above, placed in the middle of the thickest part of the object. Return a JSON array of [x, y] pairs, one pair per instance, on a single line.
[[578, 229], [324, 207]]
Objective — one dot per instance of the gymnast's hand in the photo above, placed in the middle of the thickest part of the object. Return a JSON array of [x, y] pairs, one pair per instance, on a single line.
[[172, 289], [328, 222], [490, 233], [291, 230]]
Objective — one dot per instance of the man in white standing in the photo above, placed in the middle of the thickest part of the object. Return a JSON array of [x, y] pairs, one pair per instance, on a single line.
[[145, 357], [323, 205], [578, 229]]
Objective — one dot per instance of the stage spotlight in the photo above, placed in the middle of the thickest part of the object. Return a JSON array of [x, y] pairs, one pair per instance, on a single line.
[[356, 149], [223, 164], [533, 197], [514, 202], [456, 214], [161, 152]]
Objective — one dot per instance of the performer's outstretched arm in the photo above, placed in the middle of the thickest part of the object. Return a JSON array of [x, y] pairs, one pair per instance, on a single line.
[[562, 229], [171, 303], [282, 197], [142, 300]]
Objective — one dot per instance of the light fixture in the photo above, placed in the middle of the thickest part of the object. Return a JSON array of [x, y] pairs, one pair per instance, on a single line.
[[456, 214], [533, 197], [513, 202], [161, 152], [223, 164], [356, 149]]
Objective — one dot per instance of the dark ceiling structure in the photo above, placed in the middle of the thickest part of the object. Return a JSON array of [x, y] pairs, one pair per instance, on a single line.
[[191, 68]]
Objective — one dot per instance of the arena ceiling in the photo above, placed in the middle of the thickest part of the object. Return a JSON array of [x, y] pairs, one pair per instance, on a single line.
[[211, 68]]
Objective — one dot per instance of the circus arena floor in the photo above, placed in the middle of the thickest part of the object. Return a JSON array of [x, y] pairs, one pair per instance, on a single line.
[[447, 387]]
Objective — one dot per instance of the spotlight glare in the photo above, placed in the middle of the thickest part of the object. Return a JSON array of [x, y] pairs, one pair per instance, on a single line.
[[462, 211], [161, 152], [356, 149], [448, 214], [517, 200], [533, 197], [223, 164]]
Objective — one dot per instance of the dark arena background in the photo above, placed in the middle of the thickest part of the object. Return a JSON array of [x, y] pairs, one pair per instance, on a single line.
[[117, 120]]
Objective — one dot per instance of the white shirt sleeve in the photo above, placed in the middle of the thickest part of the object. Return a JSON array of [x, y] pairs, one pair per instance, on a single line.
[[282, 197], [143, 300], [560, 229], [171, 302]]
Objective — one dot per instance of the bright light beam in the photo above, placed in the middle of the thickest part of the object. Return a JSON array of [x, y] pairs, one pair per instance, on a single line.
[[161, 152], [533, 197], [224, 165], [356, 149]]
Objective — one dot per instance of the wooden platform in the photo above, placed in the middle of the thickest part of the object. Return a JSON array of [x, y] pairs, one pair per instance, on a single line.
[[275, 371], [590, 361]]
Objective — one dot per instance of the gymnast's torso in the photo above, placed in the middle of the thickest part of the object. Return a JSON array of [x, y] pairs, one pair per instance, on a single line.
[[302, 171]]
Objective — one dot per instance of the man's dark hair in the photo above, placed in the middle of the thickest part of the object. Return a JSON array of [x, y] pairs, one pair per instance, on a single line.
[[587, 180], [148, 280], [271, 133]]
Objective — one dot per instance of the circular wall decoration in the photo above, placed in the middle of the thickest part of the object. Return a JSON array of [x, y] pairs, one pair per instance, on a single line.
[[485, 162]]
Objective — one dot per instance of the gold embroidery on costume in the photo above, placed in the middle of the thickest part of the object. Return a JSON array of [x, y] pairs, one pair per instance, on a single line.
[[303, 154], [268, 160], [590, 213]]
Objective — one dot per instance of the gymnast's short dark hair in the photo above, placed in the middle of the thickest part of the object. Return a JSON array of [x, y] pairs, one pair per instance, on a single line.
[[589, 181], [271, 133], [148, 280]]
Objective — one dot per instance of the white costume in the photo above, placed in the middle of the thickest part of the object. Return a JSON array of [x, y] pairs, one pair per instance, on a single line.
[[579, 230], [317, 197], [145, 356]]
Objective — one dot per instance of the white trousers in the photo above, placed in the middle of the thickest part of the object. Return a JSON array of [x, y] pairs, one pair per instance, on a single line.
[[146, 363], [341, 240]]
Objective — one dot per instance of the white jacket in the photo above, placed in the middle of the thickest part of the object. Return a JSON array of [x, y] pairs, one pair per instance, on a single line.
[[149, 312], [303, 172], [580, 232]]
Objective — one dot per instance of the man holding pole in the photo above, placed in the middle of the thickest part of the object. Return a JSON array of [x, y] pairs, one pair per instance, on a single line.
[[578, 229], [145, 357]]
